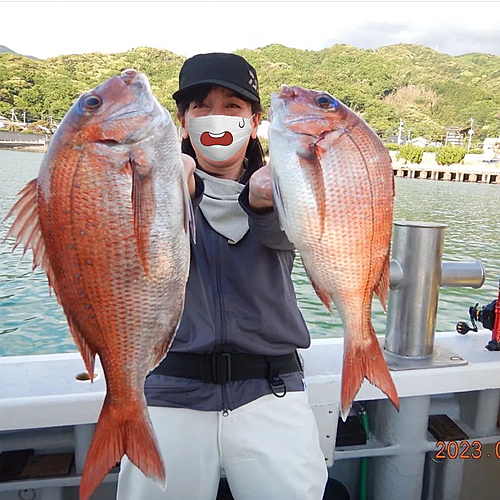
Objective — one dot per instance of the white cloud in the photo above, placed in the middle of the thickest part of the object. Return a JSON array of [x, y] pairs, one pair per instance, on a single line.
[[46, 29]]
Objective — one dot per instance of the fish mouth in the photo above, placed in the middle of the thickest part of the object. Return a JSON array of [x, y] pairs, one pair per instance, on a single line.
[[133, 77], [145, 102], [287, 92], [135, 136]]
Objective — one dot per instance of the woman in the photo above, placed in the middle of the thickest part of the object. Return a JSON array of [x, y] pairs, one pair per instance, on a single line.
[[229, 397]]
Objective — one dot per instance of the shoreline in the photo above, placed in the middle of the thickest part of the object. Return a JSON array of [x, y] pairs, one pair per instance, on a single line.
[[473, 167], [32, 149]]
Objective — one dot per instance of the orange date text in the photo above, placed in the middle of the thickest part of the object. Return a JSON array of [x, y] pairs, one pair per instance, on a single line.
[[464, 449]]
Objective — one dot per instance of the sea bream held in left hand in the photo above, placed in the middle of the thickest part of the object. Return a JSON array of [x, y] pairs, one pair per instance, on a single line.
[[107, 219], [333, 187]]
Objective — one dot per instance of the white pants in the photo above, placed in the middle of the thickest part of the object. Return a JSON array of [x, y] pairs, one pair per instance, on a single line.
[[268, 449]]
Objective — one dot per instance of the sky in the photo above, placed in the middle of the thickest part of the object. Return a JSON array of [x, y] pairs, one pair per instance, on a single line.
[[47, 29]]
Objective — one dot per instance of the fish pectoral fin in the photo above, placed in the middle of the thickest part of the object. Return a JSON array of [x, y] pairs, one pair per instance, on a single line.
[[365, 361], [143, 206], [311, 165], [27, 230], [86, 352], [382, 288]]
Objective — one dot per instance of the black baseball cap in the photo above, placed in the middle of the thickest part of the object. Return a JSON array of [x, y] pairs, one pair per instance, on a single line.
[[227, 70]]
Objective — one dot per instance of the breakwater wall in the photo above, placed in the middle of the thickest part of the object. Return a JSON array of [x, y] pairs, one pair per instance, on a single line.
[[473, 169], [16, 140], [447, 174]]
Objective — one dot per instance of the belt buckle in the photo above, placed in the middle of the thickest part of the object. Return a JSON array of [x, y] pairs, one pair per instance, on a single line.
[[221, 368]]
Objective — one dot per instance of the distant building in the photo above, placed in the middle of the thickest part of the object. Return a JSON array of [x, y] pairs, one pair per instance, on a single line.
[[453, 137], [491, 147], [393, 139], [420, 142]]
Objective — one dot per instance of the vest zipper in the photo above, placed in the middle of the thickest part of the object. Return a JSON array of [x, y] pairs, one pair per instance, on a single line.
[[222, 318]]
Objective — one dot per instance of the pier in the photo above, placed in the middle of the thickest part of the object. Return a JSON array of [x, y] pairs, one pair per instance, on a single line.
[[22, 144], [17, 140], [457, 173], [472, 169]]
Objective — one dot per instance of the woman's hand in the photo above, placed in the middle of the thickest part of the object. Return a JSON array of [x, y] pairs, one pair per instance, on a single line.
[[260, 194], [189, 166]]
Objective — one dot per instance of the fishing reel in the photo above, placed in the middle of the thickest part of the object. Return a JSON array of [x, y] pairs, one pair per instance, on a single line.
[[487, 316]]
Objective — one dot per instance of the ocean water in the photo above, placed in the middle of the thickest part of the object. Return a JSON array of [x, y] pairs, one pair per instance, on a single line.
[[31, 321]]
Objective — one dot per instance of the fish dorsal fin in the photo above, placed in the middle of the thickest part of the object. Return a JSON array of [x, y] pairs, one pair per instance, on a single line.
[[382, 288], [311, 165], [27, 231], [87, 353], [143, 204]]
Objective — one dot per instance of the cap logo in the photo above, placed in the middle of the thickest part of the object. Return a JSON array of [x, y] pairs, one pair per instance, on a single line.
[[253, 81]]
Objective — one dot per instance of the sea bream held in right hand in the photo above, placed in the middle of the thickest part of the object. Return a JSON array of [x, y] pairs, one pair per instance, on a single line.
[[333, 187]]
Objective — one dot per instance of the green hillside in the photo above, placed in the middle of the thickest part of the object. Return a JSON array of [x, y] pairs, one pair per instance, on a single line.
[[3, 48], [427, 89]]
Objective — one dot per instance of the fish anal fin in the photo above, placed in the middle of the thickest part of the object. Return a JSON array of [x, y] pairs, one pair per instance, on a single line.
[[161, 350], [365, 361], [382, 287], [311, 166], [86, 352], [119, 432], [143, 204], [159, 355], [324, 296], [27, 231]]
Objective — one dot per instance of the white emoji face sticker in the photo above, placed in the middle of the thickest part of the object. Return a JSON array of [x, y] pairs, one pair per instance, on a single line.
[[219, 137]]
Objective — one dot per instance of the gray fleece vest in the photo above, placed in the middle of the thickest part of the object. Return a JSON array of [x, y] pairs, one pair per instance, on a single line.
[[239, 298]]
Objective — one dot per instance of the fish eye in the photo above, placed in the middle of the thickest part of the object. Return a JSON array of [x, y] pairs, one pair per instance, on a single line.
[[325, 101], [92, 102]]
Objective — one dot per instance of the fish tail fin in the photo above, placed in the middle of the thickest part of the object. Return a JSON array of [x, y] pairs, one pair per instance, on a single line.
[[116, 434], [365, 361]]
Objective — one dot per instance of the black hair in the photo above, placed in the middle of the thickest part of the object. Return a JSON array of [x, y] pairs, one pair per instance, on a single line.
[[254, 156]]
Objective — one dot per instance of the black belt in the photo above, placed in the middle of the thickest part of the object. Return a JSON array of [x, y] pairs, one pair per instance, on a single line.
[[221, 368]]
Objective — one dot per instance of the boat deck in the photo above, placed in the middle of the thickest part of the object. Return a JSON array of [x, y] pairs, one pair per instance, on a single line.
[[41, 392]]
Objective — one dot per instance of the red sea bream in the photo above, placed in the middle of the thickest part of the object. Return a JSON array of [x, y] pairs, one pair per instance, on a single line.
[[333, 187], [107, 219]]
